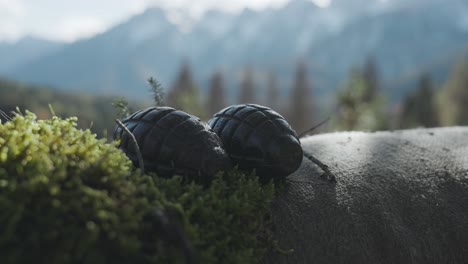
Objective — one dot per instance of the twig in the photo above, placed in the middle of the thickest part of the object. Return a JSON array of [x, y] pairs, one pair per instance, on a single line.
[[137, 148], [314, 127], [326, 171], [51, 109], [4, 115], [17, 113]]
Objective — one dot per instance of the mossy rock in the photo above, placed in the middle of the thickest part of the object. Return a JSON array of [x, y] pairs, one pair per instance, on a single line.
[[67, 197]]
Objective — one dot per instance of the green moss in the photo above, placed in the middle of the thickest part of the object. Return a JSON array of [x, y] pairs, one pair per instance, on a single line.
[[228, 221], [67, 197]]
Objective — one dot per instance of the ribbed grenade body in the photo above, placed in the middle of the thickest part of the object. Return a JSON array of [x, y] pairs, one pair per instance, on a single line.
[[256, 137], [173, 142]]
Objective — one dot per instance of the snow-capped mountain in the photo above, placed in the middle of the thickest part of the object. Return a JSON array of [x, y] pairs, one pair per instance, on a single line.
[[405, 36]]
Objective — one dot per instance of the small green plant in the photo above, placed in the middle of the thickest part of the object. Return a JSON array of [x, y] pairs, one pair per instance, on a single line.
[[157, 90], [121, 107], [68, 197]]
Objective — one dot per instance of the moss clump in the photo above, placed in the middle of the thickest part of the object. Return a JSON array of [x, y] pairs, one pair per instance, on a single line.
[[67, 197], [228, 221]]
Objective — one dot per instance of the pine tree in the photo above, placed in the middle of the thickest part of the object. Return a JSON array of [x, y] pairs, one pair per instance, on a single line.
[[216, 97], [272, 98], [184, 94], [419, 107], [247, 87], [453, 102], [371, 76], [426, 113], [183, 84], [301, 114], [358, 110]]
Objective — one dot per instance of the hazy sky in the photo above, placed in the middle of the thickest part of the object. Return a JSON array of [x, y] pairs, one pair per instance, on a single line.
[[68, 20]]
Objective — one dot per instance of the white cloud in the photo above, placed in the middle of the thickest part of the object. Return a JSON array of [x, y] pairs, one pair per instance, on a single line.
[[10, 31], [73, 28], [71, 20], [322, 3], [11, 12], [12, 8], [199, 6]]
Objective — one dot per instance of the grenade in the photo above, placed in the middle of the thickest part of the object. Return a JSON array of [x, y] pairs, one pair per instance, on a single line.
[[173, 142], [256, 137]]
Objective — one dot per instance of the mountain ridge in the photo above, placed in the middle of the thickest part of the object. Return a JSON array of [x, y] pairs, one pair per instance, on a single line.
[[25, 50], [119, 60]]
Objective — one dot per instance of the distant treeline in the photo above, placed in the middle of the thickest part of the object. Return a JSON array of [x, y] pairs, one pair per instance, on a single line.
[[299, 108], [93, 112], [359, 104]]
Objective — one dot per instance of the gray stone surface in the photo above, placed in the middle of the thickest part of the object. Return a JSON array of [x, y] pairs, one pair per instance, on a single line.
[[400, 197]]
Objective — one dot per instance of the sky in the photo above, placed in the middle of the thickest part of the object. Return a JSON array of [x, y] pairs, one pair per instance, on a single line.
[[69, 20]]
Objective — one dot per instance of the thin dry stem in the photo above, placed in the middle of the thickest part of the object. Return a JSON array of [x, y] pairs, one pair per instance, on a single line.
[[314, 127], [137, 148], [4, 115], [326, 170]]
